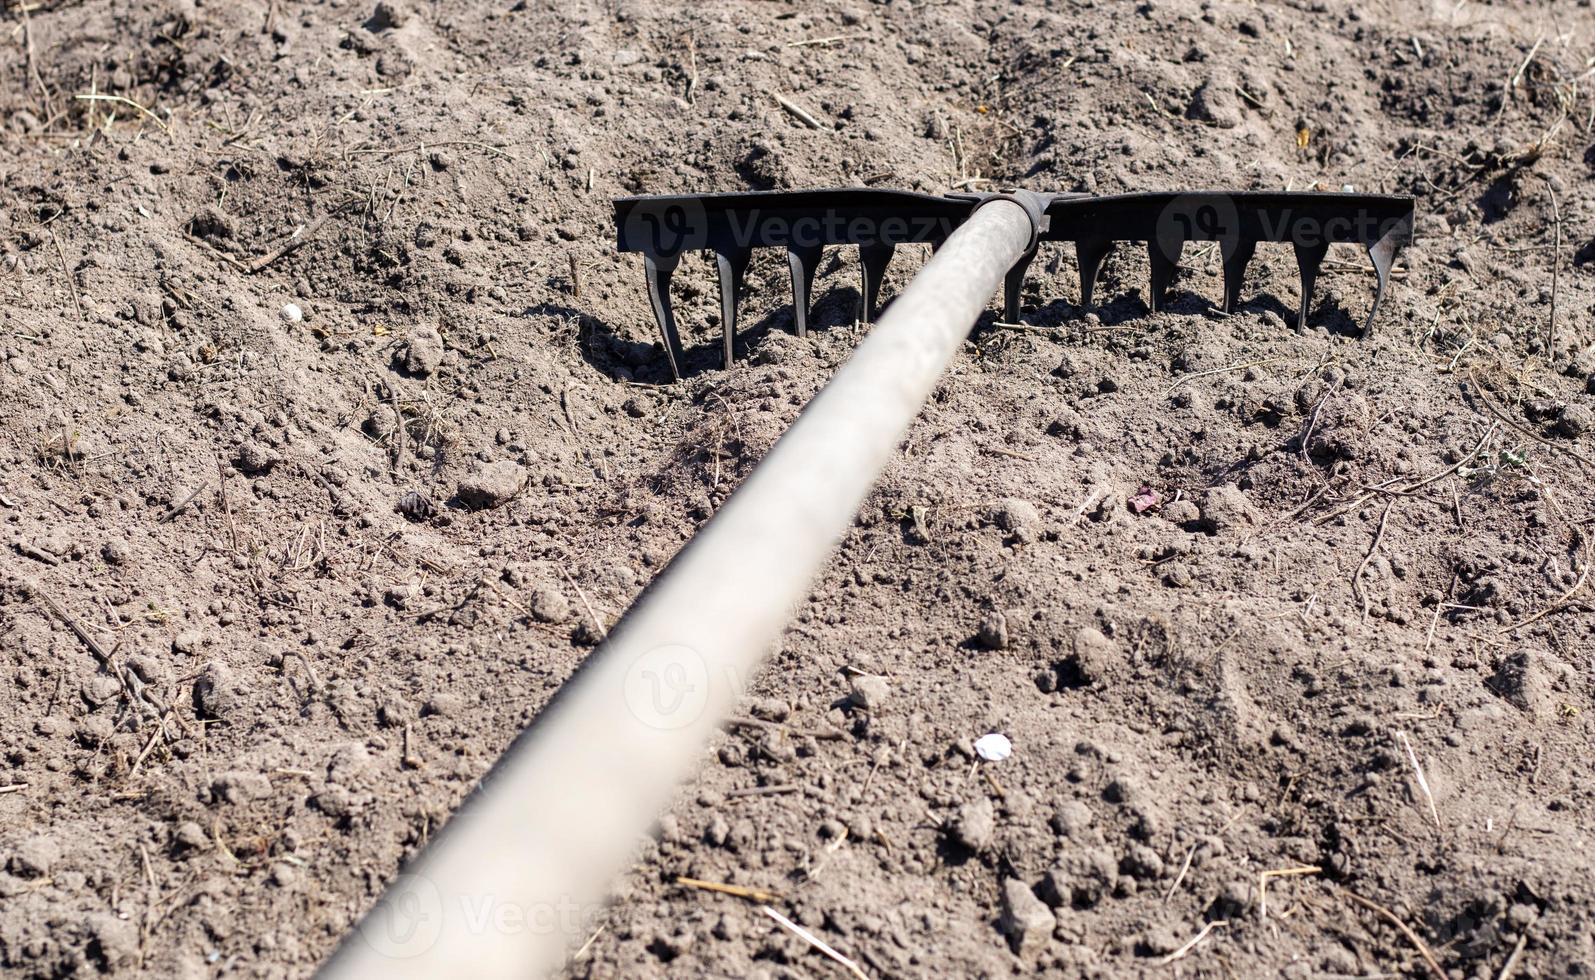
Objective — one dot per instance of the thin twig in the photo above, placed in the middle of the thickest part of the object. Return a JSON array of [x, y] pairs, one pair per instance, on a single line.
[[1566, 596], [814, 941], [597, 623], [295, 240], [76, 627], [1411, 487], [181, 505], [124, 100], [1423, 782], [1200, 937], [1181, 876], [1222, 370], [1395, 920], [1373, 549], [740, 891], [71, 287], [1262, 883], [1510, 965], [1556, 270], [797, 112], [1496, 411]]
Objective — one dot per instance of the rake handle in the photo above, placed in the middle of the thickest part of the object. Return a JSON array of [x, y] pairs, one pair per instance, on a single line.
[[560, 813]]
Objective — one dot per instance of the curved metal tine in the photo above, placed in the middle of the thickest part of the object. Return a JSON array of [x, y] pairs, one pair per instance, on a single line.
[[1237, 252], [873, 259], [1383, 255], [804, 262], [1012, 284], [659, 269], [1163, 254], [1309, 257], [733, 266], [1090, 252]]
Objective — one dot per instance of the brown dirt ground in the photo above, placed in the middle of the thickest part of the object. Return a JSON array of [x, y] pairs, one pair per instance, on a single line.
[[297, 682]]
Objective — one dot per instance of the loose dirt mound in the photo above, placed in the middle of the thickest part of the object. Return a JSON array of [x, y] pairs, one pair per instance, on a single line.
[[334, 433]]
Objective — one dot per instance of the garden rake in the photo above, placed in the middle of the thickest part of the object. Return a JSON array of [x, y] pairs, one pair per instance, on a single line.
[[665, 227]]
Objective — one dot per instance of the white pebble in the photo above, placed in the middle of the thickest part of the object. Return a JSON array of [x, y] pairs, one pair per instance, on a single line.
[[291, 313], [993, 747]]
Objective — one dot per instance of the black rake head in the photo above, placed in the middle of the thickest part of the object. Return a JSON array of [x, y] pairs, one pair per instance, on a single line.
[[664, 227]]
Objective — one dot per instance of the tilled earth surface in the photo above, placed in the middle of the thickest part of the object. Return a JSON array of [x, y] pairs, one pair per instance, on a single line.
[[280, 583]]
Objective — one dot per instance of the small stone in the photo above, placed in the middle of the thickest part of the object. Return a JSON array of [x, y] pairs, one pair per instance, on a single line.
[[215, 691], [442, 705], [1092, 659], [291, 313], [717, 832], [549, 606], [1142, 862], [416, 506], [1124, 790], [1216, 104], [1019, 518], [189, 836], [114, 940], [253, 458], [1081, 879], [1071, 819], [1178, 575], [34, 857], [1575, 420], [1232, 902], [974, 825], [771, 709], [1183, 511], [387, 16], [1159, 940], [992, 632], [869, 692], [335, 801], [1026, 920], [423, 355], [1225, 508], [115, 552], [153, 671], [240, 786], [187, 641], [491, 484]]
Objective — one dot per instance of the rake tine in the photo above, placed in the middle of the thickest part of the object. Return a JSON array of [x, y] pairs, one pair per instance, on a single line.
[[659, 269], [1383, 254], [1237, 253], [1308, 258], [733, 266], [1011, 286], [1165, 260], [804, 261], [1090, 252], [873, 259]]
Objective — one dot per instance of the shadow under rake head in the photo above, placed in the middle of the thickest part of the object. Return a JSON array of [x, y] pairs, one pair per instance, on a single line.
[[664, 227]]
